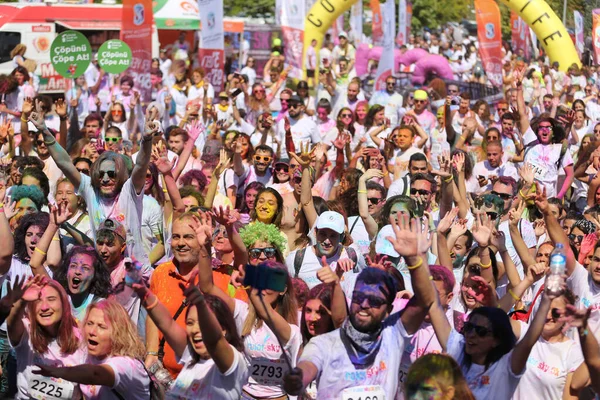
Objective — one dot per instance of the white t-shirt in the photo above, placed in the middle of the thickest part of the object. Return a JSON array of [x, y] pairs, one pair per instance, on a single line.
[[304, 130], [547, 368], [528, 234], [311, 264], [267, 366], [203, 380], [152, 223], [131, 380], [250, 176], [497, 382], [127, 210], [588, 294], [358, 231], [544, 159], [27, 358], [391, 102], [484, 168], [337, 373]]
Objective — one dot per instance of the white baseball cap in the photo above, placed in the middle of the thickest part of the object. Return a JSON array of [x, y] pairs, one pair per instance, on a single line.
[[331, 220], [382, 245]]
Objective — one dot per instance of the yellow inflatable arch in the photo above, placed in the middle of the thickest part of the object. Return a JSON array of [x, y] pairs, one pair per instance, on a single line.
[[536, 13]]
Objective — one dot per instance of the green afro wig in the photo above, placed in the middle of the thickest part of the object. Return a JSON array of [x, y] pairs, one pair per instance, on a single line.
[[256, 231]]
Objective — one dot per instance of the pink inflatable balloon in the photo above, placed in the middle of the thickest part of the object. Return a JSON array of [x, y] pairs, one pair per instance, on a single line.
[[432, 64], [361, 62], [412, 56]]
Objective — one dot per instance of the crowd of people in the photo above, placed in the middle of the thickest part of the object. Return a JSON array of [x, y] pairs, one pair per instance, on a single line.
[[286, 239]]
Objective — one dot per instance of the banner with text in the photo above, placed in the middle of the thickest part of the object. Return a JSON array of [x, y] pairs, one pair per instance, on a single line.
[[489, 34], [596, 33], [579, 40], [292, 29], [136, 31], [386, 62], [211, 53]]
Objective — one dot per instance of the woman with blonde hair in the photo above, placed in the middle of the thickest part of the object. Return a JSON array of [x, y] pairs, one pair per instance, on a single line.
[[114, 368], [436, 376], [48, 336]]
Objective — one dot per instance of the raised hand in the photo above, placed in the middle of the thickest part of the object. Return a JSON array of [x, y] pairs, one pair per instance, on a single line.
[[480, 290], [27, 107], [410, 239], [498, 240], [61, 108], [202, 226], [163, 165], [458, 160], [224, 161], [340, 141], [286, 126], [587, 246], [371, 173], [151, 128], [225, 216], [327, 275], [514, 215], [305, 155], [459, 228], [526, 173], [192, 292], [135, 99], [482, 230], [446, 222], [540, 198], [38, 120], [194, 130], [518, 74], [575, 318], [10, 209], [60, 214], [380, 262], [445, 162], [536, 272]]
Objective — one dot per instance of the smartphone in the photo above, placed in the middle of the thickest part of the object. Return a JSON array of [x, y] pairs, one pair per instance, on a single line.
[[262, 277], [236, 92]]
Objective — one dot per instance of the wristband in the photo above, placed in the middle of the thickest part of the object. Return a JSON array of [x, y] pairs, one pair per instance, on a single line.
[[449, 179], [42, 252], [154, 304], [514, 296], [152, 353], [485, 266], [23, 119], [417, 265], [50, 143], [522, 195], [362, 191]]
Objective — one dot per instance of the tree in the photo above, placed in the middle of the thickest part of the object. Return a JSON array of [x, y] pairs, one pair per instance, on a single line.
[[434, 13], [253, 9]]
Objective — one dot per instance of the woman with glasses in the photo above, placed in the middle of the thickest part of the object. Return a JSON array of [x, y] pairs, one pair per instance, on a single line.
[[79, 219], [117, 117], [579, 230], [262, 321], [560, 356], [543, 147], [257, 103]]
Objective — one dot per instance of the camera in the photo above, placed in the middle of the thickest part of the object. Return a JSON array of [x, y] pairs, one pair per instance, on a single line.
[[263, 277]]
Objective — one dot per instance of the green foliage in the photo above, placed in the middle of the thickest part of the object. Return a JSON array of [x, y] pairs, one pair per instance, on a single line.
[[245, 8], [434, 13]]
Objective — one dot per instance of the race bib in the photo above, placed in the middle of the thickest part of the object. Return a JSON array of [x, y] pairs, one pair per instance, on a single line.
[[46, 388], [367, 392], [539, 171], [268, 372]]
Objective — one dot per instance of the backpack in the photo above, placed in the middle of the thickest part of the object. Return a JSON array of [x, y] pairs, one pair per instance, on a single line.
[[299, 258]]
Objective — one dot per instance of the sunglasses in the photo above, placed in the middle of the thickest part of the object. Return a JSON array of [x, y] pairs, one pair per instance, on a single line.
[[148, 176], [111, 174], [419, 101], [374, 301], [481, 331], [555, 312], [503, 196], [596, 131], [119, 112], [112, 139], [575, 238], [390, 83], [40, 142], [492, 215], [282, 168], [297, 180], [258, 91], [283, 100], [452, 91], [294, 105], [221, 231], [346, 116], [83, 171], [266, 159], [545, 128], [255, 253], [422, 192], [374, 200]]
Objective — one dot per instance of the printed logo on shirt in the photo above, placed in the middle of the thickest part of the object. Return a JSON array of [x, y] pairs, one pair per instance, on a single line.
[[542, 366], [264, 346], [358, 376]]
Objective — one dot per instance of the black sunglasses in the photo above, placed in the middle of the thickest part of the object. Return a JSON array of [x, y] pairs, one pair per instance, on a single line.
[[294, 105], [374, 301], [280, 168], [422, 192], [40, 142], [503, 196], [255, 253], [481, 331], [83, 171], [111, 174], [374, 200], [575, 238], [492, 215]]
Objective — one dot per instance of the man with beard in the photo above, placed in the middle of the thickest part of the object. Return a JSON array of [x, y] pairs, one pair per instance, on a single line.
[[365, 349], [416, 165], [348, 98], [298, 128], [486, 172], [330, 233], [109, 192], [425, 118], [259, 171], [178, 140], [463, 112]]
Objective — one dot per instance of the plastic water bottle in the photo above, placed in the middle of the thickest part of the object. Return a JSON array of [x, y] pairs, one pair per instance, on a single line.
[[558, 264], [134, 272]]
